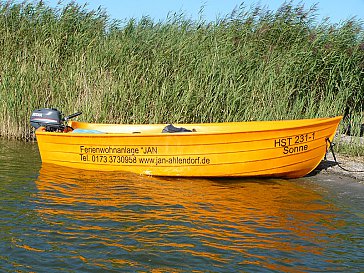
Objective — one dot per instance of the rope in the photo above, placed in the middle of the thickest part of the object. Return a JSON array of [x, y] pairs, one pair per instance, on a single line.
[[331, 146]]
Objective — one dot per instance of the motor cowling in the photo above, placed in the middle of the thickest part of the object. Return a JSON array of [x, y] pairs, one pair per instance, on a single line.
[[50, 118]]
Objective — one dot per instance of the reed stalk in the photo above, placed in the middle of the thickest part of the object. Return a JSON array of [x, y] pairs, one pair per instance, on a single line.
[[253, 64]]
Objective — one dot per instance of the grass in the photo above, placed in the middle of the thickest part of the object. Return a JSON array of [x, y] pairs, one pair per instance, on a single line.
[[253, 64]]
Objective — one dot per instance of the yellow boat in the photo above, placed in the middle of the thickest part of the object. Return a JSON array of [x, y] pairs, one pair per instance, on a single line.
[[286, 148]]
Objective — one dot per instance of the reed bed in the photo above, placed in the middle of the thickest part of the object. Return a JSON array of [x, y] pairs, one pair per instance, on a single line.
[[252, 64]]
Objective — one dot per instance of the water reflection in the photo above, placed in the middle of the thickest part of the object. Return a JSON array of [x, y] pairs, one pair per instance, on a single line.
[[111, 221]]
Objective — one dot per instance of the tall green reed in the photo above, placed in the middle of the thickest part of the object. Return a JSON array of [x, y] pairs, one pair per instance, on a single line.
[[253, 64]]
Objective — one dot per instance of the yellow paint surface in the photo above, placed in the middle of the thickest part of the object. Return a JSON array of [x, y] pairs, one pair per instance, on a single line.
[[289, 148]]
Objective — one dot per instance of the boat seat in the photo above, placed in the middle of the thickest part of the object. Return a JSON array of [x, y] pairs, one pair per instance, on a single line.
[[86, 131]]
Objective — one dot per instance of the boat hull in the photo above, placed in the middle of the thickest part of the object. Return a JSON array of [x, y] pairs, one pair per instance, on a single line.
[[287, 149]]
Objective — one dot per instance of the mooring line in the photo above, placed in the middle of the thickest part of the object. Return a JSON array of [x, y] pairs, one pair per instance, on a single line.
[[331, 146]]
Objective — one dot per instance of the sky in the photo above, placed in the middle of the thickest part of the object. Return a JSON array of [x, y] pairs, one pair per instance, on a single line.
[[158, 10]]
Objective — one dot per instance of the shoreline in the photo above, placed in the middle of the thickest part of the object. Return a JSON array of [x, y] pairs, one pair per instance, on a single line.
[[348, 166], [353, 167]]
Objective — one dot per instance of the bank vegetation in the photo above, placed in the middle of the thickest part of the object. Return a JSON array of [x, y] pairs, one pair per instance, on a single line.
[[252, 64]]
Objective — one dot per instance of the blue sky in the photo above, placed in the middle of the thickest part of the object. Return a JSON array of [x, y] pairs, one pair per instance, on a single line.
[[337, 10]]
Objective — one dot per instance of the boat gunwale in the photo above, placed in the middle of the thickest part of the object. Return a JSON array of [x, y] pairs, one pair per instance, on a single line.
[[315, 122]]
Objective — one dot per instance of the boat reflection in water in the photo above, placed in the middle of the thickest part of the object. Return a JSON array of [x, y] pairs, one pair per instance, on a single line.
[[125, 221]]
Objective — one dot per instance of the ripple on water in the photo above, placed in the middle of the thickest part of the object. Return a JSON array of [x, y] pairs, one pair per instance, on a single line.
[[58, 219]]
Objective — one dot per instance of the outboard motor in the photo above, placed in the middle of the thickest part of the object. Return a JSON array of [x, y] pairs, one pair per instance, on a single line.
[[51, 119]]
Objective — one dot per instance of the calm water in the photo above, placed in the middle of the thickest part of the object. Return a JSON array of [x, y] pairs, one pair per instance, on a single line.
[[56, 219]]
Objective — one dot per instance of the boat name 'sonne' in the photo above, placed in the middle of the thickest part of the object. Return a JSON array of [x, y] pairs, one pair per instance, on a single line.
[[296, 149]]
